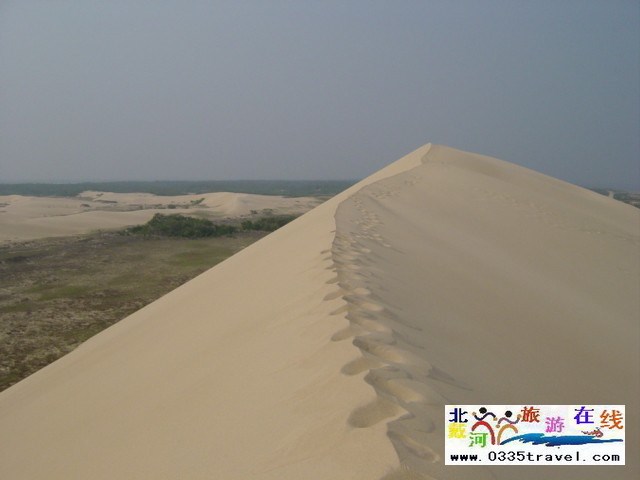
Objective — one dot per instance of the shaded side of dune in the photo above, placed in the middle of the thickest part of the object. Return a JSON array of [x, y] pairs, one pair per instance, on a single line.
[[471, 280]]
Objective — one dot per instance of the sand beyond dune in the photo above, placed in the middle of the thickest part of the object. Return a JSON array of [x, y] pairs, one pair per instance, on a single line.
[[327, 349], [29, 218]]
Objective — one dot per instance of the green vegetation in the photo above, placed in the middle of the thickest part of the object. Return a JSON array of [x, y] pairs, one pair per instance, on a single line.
[[632, 198], [267, 224], [51, 292], [56, 293], [177, 225]]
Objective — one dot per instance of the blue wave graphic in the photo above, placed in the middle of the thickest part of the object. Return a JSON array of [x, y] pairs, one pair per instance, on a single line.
[[556, 440]]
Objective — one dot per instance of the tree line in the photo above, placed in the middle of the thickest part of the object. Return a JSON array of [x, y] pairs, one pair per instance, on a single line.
[[176, 225]]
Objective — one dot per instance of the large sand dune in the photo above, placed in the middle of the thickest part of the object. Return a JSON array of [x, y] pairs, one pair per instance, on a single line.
[[327, 349]]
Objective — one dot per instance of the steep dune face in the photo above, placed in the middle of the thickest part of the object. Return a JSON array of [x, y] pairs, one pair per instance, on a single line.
[[472, 280], [327, 349], [233, 375]]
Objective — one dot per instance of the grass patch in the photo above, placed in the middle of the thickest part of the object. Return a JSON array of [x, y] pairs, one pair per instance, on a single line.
[[195, 258], [50, 292], [83, 333], [177, 225], [123, 279], [17, 307], [180, 226], [71, 288], [269, 223]]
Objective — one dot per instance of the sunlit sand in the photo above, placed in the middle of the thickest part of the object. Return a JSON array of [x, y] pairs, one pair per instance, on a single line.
[[327, 349]]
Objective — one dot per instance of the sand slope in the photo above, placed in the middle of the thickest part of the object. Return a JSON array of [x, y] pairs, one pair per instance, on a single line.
[[327, 349], [489, 283]]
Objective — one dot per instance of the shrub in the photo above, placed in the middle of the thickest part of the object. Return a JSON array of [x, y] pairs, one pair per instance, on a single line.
[[267, 224], [177, 225]]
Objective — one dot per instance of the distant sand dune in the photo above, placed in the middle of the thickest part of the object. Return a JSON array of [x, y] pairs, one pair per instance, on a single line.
[[327, 349], [28, 218]]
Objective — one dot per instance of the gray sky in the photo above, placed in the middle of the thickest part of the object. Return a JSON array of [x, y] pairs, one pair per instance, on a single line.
[[168, 90]]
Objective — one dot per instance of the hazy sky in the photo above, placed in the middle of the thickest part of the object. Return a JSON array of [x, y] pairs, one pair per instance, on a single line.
[[150, 90]]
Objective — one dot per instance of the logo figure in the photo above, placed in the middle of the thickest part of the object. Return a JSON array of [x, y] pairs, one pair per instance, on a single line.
[[509, 424]]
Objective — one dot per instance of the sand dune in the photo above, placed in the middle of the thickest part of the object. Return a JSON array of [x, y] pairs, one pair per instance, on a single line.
[[28, 218], [327, 349]]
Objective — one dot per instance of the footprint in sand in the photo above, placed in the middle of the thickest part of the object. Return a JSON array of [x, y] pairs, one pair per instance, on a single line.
[[359, 365], [411, 445], [372, 413], [333, 295]]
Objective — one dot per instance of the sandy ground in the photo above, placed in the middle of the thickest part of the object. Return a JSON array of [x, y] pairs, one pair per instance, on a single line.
[[327, 349], [29, 218], [488, 283]]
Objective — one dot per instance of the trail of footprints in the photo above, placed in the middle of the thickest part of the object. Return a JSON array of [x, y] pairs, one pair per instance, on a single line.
[[400, 378]]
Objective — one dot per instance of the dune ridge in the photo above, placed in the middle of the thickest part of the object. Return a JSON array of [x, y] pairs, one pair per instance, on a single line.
[[327, 349], [472, 280], [232, 375]]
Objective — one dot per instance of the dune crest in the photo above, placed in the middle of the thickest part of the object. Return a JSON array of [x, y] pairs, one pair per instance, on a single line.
[[472, 280], [328, 348]]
